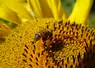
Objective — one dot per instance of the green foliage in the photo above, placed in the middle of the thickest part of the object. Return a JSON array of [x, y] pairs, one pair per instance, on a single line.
[[12, 25], [92, 20], [68, 5]]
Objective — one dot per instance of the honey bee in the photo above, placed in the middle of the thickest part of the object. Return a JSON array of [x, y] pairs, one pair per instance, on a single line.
[[44, 34]]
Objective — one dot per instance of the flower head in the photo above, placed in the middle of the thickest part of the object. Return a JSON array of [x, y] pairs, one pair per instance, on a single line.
[[67, 46], [50, 42]]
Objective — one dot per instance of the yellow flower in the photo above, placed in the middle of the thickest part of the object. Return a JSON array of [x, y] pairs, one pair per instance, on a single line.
[[18, 11], [33, 9], [66, 45], [47, 43]]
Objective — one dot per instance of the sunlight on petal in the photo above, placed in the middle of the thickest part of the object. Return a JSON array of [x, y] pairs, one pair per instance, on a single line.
[[27, 6], [36, 8], [8, 14], [81, 11], [45, 9], [17, 6], [57, 9]]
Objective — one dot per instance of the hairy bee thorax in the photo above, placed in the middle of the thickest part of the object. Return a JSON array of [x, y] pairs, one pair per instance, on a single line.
[[49, 43]]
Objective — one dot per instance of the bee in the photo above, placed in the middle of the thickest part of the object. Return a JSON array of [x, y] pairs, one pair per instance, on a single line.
[[44, 34]]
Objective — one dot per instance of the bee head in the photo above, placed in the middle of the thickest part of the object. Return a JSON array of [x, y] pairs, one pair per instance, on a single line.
[[37, 36]]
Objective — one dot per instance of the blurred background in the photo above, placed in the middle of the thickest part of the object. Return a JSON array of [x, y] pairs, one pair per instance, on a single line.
[[68, 6]]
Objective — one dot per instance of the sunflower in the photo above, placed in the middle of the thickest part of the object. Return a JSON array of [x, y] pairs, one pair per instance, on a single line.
[[50, 42], [19, 11]]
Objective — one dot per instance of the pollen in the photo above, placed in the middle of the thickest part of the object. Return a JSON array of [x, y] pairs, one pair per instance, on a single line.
[[66, 46]]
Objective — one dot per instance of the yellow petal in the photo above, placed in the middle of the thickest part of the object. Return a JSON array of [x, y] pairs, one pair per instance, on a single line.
[[18, 7], [61, 12], [47, 8], [47, 12], [35, 6], [81, 11], [4, 30], [56, 7], [8, 14]]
